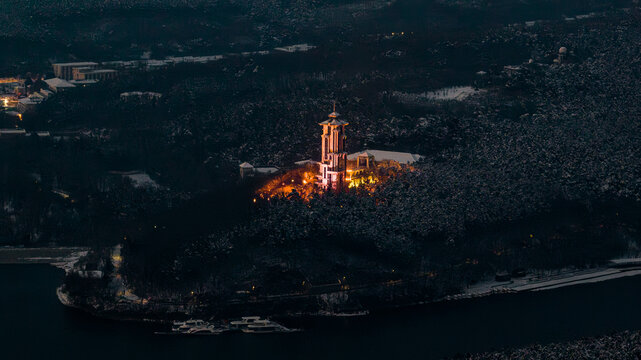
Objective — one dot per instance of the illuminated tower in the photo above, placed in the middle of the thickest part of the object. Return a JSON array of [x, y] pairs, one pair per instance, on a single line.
[[334, 158]]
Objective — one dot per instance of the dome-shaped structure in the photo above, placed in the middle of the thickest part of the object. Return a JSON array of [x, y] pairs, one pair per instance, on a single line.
[[563, 50]]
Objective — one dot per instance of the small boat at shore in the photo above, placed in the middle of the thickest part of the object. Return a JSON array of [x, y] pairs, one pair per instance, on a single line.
[[244, 322], [248, 324], [343, 314], [258, 325], [183, 327], [266, 327], [206, 330]]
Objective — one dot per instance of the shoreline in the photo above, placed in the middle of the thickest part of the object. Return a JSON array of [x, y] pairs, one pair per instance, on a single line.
[[56, 256], [65, 258], [555, 280]]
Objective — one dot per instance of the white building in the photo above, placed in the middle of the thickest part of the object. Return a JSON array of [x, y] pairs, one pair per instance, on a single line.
[[57, 84], [28, 104], [366, 158]]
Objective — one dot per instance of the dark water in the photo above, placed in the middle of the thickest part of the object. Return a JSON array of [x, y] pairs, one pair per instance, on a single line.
[[34, 325]]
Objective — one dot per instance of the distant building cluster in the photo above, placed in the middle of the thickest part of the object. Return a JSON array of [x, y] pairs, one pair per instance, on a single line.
[[23, 95], [19, 96]]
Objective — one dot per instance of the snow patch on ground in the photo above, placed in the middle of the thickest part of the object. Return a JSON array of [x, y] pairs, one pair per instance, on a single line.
[[67, 263], [142, 180], [455, 93]]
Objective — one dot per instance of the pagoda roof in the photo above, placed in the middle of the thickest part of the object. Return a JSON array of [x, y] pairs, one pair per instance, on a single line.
[[333, 122]]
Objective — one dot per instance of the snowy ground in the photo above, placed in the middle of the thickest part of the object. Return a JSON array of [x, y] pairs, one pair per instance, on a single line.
[[550, 281], [56, 256], [455, 93], [142, 180]]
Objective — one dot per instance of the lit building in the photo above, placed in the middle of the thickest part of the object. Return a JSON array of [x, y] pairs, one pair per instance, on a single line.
[[65, 70], [333, 164], [10, 85], [89, 73]]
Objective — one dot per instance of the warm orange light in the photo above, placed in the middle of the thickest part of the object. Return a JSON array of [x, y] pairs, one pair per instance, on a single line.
[[301, 180], [304, 181]]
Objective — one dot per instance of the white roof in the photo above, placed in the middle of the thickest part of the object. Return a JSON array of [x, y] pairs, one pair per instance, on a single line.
[[102, 71], [382, 155], [141, 93], [85, 63], [305, 162], [59, 83], [246, 165], [30, 101], [83, 82], [13, 131], [267, 170]]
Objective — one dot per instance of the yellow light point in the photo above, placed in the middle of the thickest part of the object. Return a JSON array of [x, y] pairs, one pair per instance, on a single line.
[[304, 181], [6, 102], [254, 199], [253, 287], [20, 117]]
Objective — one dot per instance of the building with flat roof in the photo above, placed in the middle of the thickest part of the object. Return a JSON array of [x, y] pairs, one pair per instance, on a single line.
[[87, 73], [12, 132], [57, 84], [366, 158], [28, 104], [9, 85], [65, 70]]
